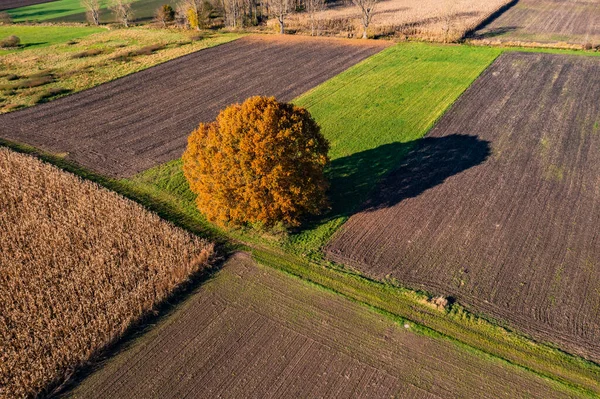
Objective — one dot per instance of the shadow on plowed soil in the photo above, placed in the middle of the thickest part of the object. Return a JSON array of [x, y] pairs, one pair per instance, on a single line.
[[424, 164]]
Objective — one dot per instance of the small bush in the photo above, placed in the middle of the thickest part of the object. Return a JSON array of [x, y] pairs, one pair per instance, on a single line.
[[147, 50], [5, 18], [10, 42], [12, 77], [164, 14], [260, 162], [50, 93], [88, 53], [33, 81]]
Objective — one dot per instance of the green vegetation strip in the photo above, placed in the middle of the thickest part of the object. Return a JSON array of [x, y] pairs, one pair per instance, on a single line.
[[457, 323], [45, 11], [73, 11], [41, 36]]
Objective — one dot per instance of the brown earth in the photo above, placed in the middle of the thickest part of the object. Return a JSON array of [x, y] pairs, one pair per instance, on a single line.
[[499, 206], [142, 120], [256, 332], [8, 4], [79, 265], [546, 21]]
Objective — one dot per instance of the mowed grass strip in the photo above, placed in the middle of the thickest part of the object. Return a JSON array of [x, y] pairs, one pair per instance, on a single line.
[[41, 36], [371, 113], [78, 266], [253, 331]]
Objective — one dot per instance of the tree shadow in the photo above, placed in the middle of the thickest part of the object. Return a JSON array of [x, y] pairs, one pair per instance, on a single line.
[[428, 164], [407, 169], [488, 34], [33, 14]]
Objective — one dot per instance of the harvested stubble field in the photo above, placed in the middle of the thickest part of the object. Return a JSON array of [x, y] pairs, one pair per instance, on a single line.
[[142, 120], [546, 21], [431, 20], [78, 266], [499, 206], [256, 332]]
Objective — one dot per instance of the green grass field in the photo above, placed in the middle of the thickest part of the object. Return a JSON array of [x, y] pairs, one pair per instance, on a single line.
[[41, 36], [72, 11], [371, 114]]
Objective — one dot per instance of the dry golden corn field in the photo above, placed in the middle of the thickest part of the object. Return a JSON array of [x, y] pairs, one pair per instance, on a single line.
[[431, 20], [78, 265]]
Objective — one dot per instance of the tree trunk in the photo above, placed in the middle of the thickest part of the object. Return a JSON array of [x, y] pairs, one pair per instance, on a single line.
[[281, 30]]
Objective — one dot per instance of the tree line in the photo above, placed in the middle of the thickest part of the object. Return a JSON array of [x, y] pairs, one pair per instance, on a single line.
[[196, 14]]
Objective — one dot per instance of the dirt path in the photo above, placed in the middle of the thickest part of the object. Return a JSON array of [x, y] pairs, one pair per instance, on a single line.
[[546, 21], [499, 206], [255, 332], [142, 120]]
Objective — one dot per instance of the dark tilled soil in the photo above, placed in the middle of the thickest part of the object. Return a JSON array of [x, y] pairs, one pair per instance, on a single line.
[[254, 332], [499, 206], [142, 120], [547, 21], [8, 4]]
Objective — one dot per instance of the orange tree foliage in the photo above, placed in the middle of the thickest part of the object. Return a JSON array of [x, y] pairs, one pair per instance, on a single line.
[[259, 162]]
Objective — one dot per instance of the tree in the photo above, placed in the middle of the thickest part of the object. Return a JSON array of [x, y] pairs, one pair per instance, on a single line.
[[259, 162], [279, 9], [92, 8], [195, 12], [313, 7], [122, 11], [164, 14], [367, 7]]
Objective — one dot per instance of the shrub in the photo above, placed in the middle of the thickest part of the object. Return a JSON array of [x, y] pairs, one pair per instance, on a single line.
[[10, 42], [33, 81], [165, 14], [87, 53], [50, 93], [259, 162], [5, 18]]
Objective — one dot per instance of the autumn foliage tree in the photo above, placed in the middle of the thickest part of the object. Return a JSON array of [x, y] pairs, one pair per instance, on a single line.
[[261, 162]]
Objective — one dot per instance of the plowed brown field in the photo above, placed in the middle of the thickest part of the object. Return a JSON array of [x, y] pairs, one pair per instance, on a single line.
[[142, 120], [546, 21], [8, 4], [254, 332], [506, 218]]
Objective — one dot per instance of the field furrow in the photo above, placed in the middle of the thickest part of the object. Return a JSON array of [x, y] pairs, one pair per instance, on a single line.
[[499, 205], [142, 120], [267, 352]]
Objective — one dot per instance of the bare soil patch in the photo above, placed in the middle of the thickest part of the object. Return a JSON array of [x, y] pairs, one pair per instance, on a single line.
[[8, 4], [142, 120], [546, 21], [499, 205], [78, 266], [255, 332]]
